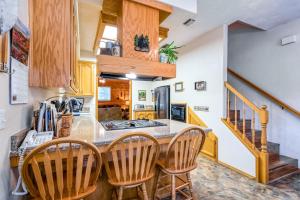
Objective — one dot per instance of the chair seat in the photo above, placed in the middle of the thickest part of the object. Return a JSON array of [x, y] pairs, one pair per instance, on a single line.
[[163, 164], [132, 183]]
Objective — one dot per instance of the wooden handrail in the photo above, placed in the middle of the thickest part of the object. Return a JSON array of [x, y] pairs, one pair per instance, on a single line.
[[244, 99], [250, 142], [266, 94]]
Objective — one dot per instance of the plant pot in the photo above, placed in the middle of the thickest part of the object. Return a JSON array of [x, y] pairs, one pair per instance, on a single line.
[[163, 58]]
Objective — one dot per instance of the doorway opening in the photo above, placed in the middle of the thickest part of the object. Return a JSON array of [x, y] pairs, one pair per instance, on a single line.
[[114, 99]]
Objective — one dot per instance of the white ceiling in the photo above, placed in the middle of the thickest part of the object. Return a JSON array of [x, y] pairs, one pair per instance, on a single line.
[[264, 14]]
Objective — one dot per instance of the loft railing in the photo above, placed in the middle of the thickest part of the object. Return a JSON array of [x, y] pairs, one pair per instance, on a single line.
[[265, 93], [251, 130]]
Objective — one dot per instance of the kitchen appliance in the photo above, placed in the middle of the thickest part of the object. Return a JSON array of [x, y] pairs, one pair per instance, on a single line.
[[162, 102], [178, 112], [76, 104], [129, 124]]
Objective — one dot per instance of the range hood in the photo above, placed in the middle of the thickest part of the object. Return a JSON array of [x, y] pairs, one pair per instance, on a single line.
[[135, 17]]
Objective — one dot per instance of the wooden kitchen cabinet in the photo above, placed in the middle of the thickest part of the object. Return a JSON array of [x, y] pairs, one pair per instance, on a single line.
[[144, 114], [87, 78], [54, 44]]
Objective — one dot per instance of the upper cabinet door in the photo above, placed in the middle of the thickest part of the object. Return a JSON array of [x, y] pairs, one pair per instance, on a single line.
[[87, 79], [52, 43]]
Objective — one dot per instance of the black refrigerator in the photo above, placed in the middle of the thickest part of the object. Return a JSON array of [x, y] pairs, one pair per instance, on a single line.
[[162, 102]]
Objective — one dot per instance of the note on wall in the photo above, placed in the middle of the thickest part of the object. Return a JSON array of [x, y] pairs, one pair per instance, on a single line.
[[18, 82]]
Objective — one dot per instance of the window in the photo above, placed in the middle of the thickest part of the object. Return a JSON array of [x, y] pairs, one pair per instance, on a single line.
[[104, 94]]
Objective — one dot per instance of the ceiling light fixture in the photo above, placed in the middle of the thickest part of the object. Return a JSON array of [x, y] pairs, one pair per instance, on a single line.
[[131, 76]]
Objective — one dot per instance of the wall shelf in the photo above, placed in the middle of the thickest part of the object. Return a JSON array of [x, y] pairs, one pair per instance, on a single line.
[[120, 65]]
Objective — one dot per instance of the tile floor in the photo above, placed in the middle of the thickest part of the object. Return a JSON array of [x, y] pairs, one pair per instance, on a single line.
[[212, 181]]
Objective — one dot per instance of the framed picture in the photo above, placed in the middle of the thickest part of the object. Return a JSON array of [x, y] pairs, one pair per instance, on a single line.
[[142, 95], [179, 87], [200, 86]]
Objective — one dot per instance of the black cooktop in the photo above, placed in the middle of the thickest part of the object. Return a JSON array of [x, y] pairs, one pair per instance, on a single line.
[[129, 124]]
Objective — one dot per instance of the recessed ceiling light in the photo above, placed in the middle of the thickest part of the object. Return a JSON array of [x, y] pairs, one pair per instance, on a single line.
[[131, 76]]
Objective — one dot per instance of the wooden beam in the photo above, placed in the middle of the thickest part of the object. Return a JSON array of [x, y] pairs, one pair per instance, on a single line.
[[164, 9], [111, 64], [163, 33], [108, 19]]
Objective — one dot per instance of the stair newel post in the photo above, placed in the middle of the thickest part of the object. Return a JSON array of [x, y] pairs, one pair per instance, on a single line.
[[264, 157], [264, 118]]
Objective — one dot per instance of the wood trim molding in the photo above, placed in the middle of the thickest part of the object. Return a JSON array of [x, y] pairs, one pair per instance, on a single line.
[[240, 96], [210, 147], [236, 170], [245, 142], [164, 9], [111, 64], [265, 93], [261, 163]]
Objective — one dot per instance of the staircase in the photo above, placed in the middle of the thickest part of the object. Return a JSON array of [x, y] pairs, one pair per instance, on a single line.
[[279, 166], [249, 124]]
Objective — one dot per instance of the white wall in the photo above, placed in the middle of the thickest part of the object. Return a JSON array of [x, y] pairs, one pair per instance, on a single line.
[[205, 60], [189, 5], [141, 85], [18, 116], [259, 57]]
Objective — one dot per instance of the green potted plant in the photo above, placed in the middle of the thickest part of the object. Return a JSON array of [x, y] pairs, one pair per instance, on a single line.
[[168, 53]]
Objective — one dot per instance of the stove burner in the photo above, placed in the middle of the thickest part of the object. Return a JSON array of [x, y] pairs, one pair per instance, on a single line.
[[129, 124]]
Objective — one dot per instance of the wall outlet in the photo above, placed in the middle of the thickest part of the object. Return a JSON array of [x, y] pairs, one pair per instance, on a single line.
[[2, 119], [201, 108]]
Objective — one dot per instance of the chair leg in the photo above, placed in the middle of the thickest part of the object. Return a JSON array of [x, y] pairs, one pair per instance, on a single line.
[[155, 184], [120, 195], [173, 185], [190, 185], [144, 191]]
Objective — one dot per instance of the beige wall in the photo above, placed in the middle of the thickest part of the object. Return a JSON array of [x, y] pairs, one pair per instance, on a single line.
[[18, 116]]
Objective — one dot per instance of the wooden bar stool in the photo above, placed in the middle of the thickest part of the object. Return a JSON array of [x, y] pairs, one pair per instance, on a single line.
[[130, 162], [179, 160], [62, 169]]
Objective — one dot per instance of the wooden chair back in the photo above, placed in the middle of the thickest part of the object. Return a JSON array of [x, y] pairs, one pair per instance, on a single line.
[[131, 159], [62, 169], [184, 149]]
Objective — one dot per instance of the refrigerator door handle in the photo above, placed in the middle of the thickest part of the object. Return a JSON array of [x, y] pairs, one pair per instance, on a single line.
[[158, 105]]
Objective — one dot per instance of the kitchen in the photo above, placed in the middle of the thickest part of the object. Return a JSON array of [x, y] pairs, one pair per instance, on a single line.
[[74, 113]]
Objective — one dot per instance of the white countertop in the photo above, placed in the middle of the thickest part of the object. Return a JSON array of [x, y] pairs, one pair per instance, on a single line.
[[89, 129]]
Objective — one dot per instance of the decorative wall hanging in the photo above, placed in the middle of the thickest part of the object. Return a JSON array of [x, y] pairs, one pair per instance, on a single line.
[[141, 43], [200, 86], [179, 87], [142, 95]]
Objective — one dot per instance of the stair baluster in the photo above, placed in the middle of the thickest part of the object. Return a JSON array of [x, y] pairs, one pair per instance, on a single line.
[[253, 129], [228, 106], [235, 114], [244, 121]]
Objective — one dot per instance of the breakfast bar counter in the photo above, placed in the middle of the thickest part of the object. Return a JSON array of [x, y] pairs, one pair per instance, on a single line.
[[87, 128]]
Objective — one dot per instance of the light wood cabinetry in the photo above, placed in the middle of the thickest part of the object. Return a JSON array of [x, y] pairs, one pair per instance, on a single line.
[[3, 49], [54, 46], [87, 78], [144, 114]]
